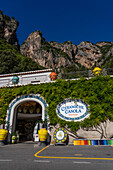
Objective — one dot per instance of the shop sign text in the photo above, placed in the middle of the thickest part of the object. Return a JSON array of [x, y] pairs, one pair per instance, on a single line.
[[73, 110]]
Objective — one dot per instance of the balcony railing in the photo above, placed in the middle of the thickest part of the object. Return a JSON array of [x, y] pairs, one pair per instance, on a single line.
[[85, 74]]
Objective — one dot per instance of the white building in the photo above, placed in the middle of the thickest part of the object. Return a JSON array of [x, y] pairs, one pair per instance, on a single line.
[[24, 78]]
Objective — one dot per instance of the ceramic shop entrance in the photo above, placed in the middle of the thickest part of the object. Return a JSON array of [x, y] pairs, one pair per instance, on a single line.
[[24, 114]]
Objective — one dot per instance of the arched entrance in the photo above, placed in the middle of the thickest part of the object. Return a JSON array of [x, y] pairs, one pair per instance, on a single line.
[[24, 114]]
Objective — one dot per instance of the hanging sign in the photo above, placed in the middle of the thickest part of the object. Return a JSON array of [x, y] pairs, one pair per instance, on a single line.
[[73, 110]]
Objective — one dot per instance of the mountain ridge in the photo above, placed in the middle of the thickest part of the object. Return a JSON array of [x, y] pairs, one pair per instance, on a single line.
[[57, 55], [64, 57]]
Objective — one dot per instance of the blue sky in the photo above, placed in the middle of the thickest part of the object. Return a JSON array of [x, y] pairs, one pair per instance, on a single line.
[[62, 20]]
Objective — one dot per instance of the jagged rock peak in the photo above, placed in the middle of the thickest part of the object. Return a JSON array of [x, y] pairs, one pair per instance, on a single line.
[[8, 27], [66, 47], [44, 53], [103, 43], [87, 45], [33, 42], [56, 55]]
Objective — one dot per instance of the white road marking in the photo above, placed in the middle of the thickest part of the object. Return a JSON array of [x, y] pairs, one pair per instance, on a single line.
[[41, 161], [82, 162], [5, 160]]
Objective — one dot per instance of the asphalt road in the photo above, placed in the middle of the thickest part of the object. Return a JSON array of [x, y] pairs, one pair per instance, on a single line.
[[29, 156]]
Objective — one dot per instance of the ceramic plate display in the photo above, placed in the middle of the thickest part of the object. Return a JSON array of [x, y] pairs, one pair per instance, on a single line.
[[60, 135]]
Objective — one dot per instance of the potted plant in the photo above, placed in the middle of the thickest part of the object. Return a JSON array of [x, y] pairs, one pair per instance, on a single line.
[[14, 138]]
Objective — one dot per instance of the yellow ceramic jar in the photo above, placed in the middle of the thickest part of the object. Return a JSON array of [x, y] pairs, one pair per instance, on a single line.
[[42, 134], [3, 134]]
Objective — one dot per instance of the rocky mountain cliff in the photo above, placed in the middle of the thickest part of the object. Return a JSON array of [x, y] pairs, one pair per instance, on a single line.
[[60, 56], [45, 53], [8, 27], [53, 54], [11, 60]]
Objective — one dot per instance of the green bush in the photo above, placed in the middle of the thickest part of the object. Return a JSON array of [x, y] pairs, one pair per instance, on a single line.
[[12, 61], [97, 92]]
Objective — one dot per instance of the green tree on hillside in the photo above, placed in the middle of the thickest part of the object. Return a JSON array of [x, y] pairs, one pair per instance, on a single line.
[[12, 61]]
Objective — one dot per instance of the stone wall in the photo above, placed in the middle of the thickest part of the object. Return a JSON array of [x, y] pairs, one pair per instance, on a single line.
[[103, 131]]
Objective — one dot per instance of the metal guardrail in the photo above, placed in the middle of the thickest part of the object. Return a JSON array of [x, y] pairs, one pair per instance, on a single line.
[[85, 74], [109, 71]]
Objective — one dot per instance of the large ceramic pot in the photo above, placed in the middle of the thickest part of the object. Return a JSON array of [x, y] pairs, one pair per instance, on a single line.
[[42, 134]]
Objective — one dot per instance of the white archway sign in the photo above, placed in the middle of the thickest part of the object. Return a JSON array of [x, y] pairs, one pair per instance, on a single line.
[[11, 113]]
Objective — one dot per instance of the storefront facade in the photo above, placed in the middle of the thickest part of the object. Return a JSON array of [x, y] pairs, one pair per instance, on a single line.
[[25, 116]]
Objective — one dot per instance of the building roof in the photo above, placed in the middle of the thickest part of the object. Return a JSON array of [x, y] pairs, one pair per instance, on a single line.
[[25, 73]]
